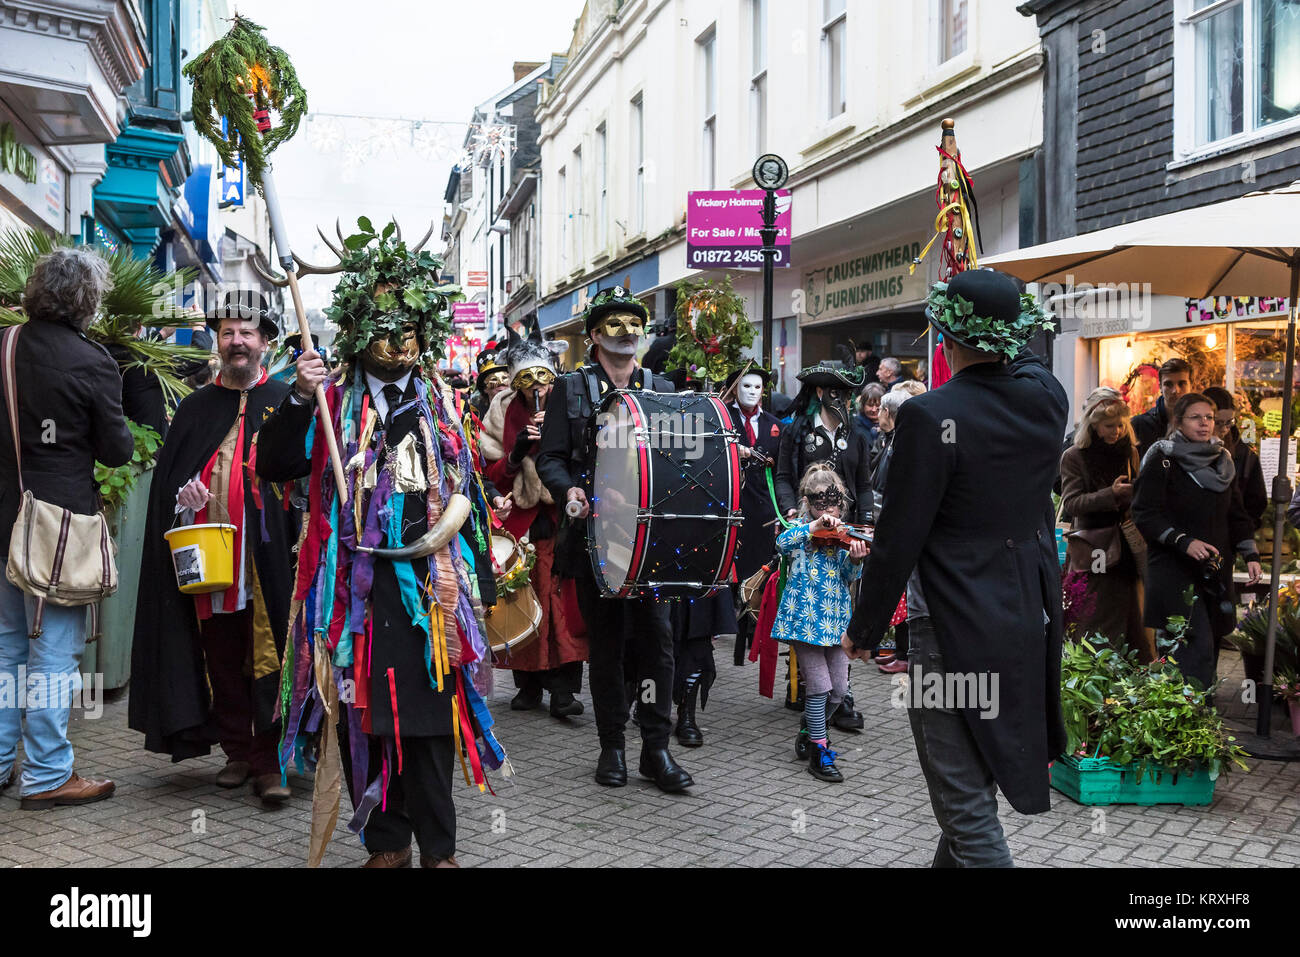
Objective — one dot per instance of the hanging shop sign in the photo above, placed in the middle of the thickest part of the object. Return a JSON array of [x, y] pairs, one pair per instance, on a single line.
[[232, 177], [469, 314], [1232, 308], [870, 281], [722, 228], [14, 157], [476, 279]]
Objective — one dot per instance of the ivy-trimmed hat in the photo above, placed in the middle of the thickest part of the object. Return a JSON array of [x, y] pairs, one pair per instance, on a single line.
[[984, 309], [832, 376], [248, 305], [617, 299]]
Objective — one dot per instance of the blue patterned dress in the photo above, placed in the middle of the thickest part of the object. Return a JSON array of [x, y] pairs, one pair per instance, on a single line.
[[815, 604]]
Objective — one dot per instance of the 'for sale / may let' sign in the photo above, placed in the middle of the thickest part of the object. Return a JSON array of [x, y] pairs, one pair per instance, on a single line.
[[722, 229]]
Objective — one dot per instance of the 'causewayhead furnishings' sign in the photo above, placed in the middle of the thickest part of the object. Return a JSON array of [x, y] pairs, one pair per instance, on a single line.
[[868, 281]]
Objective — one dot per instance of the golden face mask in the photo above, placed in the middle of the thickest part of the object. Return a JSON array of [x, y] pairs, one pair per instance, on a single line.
[[393, 356], [619, 324], [537, 375], [496, 381]]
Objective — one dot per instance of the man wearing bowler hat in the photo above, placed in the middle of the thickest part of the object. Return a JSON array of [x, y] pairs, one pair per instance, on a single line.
[[229, 641], [972, 515]]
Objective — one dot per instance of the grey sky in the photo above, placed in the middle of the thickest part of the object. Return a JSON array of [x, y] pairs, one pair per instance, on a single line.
[[421, 59]]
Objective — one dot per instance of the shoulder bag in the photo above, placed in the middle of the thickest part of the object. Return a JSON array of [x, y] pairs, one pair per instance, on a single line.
[[55, 554]]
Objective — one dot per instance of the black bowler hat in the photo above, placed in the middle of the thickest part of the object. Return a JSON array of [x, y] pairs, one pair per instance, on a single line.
[[247, 305], [294, 341], [994, 297]]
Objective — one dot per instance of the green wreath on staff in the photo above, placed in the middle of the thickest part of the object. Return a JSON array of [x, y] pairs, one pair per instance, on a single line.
[[713, 330], [224, 74]]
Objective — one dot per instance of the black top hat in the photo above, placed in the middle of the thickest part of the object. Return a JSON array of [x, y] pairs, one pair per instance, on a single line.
[[993, 296], [294, 342], [488, 362], [617, 299], [246, 304]]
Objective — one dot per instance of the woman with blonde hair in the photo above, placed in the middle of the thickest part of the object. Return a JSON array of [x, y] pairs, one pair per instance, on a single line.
[[1103, 583]]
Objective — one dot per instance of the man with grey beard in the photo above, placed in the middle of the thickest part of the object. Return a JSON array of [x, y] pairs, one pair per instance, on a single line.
[[616, 322], [229, 640]]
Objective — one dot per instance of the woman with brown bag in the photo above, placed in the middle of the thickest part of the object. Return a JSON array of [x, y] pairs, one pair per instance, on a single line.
[[1103, 577]]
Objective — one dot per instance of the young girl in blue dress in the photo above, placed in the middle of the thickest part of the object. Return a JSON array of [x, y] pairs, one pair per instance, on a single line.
[[815, 608]]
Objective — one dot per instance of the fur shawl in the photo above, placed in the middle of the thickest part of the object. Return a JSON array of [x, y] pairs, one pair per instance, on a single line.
[[529, 491]]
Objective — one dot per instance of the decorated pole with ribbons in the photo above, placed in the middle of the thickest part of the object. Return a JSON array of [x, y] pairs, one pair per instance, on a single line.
[[958, 215], [242, 77]]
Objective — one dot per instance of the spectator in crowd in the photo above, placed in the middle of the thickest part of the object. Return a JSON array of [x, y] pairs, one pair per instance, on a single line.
[[1189, 509], [864, 355], [889, 372], [922, 372], [1250, 475], [1097, 474], [910, 386], [867, 419], [1153, 424], [70, 388]]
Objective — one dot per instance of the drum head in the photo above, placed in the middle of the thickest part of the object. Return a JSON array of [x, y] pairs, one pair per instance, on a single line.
[[616, 490], [504, 553]]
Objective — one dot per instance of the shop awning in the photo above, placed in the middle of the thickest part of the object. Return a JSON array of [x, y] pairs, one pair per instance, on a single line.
[[1240, 247]]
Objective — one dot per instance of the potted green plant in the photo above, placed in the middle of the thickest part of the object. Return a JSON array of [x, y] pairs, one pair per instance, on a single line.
[[1286, 685], [1138, 734]]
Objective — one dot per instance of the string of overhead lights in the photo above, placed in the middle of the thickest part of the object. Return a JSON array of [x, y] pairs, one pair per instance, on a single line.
[[360, 138]]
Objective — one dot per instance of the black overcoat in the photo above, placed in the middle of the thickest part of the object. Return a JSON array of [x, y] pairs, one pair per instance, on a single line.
[[969, 505], [757, 535], [169, 685]]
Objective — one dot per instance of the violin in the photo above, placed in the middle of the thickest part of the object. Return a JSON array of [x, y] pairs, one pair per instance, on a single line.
[[845, 533]]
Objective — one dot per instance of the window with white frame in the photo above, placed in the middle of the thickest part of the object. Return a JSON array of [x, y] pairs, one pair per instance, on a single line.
[[709, 109], [578, 213], [638, 164], [951, 19], [834, 63], [758, 74], [1237, 70], [564, 219], [602, 187]]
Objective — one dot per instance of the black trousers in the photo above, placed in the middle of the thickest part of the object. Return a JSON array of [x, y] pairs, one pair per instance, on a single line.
[[567, 677], [419, 799], [630, 641], [227, 641]]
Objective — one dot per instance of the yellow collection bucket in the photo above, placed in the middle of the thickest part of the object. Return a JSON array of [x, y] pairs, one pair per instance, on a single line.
[[203, 556]]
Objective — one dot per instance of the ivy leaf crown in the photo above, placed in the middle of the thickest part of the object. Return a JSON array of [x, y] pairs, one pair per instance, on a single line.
[[957, 315], [385, 286]]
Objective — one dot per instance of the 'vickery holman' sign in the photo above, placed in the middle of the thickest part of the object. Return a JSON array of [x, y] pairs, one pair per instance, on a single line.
[[14, 157], [875, 279]]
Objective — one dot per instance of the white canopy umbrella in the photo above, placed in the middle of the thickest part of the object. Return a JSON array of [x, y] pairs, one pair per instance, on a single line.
[[1248, 246]]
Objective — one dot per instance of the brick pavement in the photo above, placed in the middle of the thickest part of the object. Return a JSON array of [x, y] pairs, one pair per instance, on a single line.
[[752, 804]]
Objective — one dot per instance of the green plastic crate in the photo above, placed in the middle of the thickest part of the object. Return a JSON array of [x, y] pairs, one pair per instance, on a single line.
[[1098, 781]]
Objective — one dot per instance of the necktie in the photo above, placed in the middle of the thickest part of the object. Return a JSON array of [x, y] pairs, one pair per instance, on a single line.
[[749, 428], [392, 395]]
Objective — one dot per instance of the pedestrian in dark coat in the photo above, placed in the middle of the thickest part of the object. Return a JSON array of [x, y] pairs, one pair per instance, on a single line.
[[1153, 424], [760, 431], [974, 517], [1250, 474], [1189, 509]]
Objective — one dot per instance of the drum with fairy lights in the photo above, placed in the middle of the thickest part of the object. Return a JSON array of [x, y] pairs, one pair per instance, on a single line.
[[665, 493]]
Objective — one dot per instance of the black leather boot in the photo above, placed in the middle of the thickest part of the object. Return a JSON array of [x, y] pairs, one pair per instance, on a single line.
[[846, 717], [611, 769], [658, 764], [687, 731], [526, 699], [821, 763], [565, 705]]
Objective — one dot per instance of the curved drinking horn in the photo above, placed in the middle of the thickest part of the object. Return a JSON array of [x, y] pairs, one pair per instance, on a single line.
[[453, 517]]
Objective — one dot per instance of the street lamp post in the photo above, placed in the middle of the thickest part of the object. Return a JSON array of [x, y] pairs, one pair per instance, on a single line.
[[770, 173]]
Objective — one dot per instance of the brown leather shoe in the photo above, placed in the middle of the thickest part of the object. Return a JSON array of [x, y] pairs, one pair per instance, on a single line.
[[234, 774], [400, 858], [75, 790], [270, 790], [426, 861]]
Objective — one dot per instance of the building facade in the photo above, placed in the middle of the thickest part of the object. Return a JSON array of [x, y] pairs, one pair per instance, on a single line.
[[1151, 108], [661, 98]]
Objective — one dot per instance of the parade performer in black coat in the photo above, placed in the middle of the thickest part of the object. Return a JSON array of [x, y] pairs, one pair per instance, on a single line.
[[823, 431], [186, 644], [760, 431], [637, 628], [384, 632], [969, 505]]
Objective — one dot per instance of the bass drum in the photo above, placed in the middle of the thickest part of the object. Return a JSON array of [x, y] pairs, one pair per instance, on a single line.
[[665, 494], [513, 621]]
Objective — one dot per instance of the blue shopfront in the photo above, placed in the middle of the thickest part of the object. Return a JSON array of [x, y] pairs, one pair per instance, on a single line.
[[561, 315]]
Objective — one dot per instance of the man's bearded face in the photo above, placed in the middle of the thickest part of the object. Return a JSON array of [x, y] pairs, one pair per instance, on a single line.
[[241, 345], [619, 333], [397, 352]]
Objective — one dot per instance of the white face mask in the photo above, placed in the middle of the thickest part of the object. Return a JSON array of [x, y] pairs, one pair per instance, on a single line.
[[620, 346], [750, 391]]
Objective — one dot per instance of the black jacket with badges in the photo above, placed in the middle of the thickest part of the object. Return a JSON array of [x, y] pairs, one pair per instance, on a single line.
[[804, 444]]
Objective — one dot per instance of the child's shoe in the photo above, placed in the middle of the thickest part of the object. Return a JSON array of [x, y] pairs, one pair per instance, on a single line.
[[801, 741], [821, 763]]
